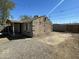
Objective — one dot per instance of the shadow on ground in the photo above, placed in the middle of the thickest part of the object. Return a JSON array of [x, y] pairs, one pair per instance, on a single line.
[[14, 38]]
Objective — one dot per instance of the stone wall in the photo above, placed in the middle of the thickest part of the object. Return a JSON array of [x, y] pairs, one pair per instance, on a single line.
[[41, 26]]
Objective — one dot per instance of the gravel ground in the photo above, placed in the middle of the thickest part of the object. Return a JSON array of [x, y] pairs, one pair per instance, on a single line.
[[55, 46], [4, 40]]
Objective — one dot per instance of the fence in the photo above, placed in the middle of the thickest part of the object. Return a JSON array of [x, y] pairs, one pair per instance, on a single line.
[[66, 27]]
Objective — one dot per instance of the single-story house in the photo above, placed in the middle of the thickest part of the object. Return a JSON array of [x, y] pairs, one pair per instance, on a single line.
[[39, 26], [18, 28]]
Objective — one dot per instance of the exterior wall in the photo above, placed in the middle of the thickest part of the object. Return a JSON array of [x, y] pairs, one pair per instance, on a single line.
[[41, 26], [17, 28], [14, 29], [21, 29], [48, 27], [26, 29]]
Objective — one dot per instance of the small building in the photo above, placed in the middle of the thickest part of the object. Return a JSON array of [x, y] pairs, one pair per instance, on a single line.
[[19, 28], [41, 26]]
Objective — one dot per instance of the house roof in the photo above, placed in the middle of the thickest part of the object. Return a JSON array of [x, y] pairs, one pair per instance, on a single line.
[[14, 21], [46, 18]]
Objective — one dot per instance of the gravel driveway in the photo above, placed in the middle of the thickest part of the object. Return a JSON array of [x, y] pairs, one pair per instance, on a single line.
[[55, 46]]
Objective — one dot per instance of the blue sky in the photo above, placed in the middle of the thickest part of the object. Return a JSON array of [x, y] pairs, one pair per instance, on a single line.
[[66, 12]]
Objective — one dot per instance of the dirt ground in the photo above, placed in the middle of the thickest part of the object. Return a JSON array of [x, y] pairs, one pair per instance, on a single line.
[[54, 46]]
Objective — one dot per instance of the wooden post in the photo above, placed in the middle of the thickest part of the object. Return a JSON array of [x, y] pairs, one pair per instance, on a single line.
[[13, 30], [28, 26], [8, 30]]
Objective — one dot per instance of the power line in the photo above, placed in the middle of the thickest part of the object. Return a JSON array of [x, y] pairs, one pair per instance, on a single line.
[[55, 7], [66, 13]]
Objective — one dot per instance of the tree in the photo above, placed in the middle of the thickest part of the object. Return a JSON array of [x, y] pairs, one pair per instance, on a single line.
[[5, 7], [26, 18]]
